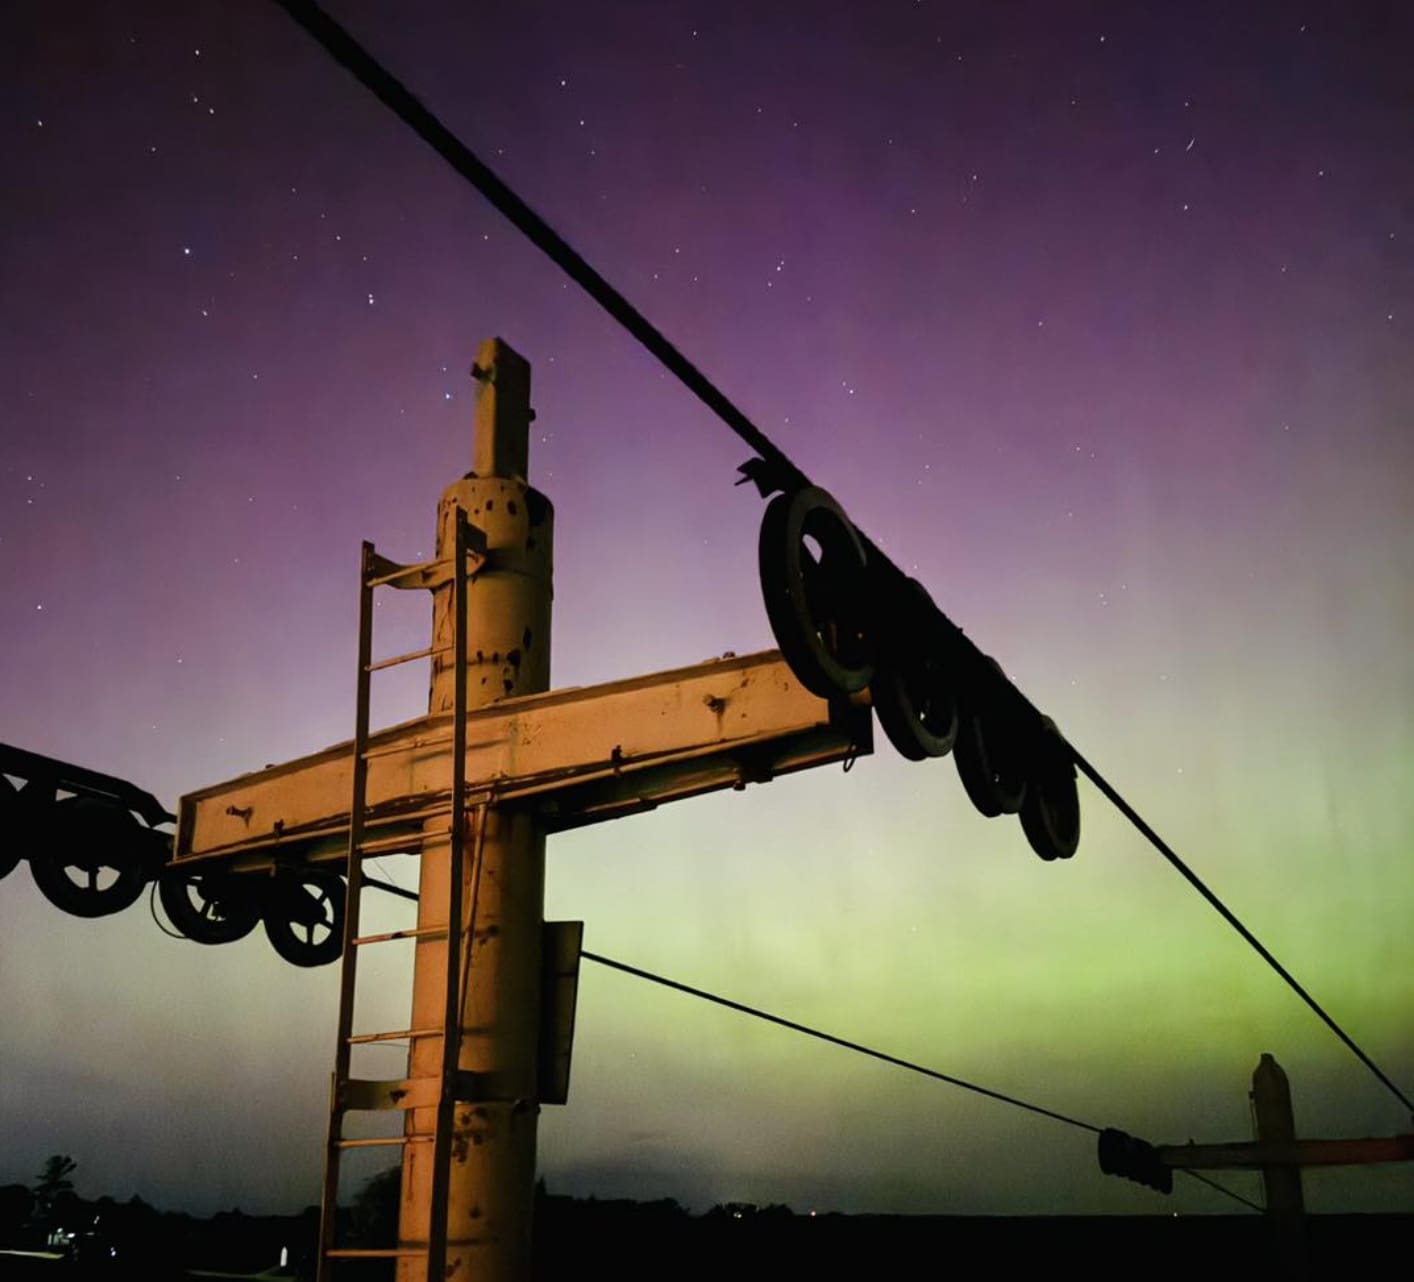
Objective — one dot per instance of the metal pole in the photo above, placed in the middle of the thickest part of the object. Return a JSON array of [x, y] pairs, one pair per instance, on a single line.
[[492, 1173], [1276, 1124]]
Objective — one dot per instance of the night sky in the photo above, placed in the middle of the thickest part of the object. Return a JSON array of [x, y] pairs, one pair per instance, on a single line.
[[1097, 317]]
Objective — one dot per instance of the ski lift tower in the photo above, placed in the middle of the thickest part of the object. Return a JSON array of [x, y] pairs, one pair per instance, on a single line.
[[499, 762]]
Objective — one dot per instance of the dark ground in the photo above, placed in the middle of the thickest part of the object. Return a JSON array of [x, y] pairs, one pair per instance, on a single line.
[[629, 1241]]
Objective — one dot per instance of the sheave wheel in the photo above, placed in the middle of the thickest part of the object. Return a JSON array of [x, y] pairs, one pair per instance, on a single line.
[[303, 911], [209, 907], [988, 755], [813, 580], [913, 691], [93, 858], [1050, 815], [13, 829]]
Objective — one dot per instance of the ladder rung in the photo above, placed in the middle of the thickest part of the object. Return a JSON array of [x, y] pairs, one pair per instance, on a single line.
[[417, 932], [365, 1039], [440, 807], [386, 1141], [408, 841], [404, 745], [408, 657], [376, 1253]]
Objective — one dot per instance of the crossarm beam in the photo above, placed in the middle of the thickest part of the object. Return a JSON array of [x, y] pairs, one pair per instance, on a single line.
[[1254, 1155], [579, 755]]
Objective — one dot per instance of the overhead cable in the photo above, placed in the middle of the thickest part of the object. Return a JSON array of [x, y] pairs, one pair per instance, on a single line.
[[859, 1048], [403, 103], [1232, 920]]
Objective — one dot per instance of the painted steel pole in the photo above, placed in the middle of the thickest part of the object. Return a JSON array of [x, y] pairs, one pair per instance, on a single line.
[[492, 1181]]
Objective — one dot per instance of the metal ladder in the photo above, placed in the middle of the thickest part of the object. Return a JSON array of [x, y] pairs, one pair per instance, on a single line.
[[349, 1094]]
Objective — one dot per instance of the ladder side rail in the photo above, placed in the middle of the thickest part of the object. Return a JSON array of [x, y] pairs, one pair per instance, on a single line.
[[348, 962], [358, 818]]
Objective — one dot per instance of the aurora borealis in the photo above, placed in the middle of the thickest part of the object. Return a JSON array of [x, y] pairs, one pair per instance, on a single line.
[[1097, 317]]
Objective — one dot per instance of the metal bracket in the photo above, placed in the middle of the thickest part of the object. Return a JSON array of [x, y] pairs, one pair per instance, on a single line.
[[428, 574]]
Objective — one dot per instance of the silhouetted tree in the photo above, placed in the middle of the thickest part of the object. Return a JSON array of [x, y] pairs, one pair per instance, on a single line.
[[54, 1179], [54, 1198]]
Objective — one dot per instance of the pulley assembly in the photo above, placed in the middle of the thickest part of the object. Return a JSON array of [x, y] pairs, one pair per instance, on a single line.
[[844, 624], [95, 843]]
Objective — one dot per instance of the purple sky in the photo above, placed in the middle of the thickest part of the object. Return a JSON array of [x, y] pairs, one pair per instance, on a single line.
[[1096, 317]]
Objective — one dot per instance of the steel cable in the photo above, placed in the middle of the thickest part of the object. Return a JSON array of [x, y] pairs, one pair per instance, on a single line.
[[399, 99]]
